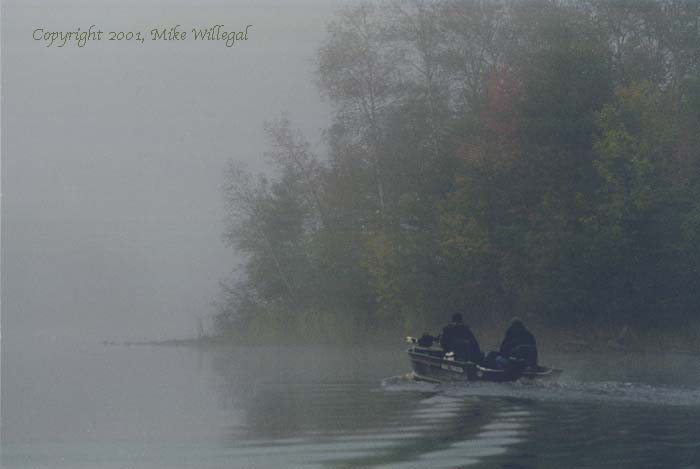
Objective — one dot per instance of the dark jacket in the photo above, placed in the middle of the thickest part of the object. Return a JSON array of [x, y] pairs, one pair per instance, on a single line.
[[458, 338], [520, 343]]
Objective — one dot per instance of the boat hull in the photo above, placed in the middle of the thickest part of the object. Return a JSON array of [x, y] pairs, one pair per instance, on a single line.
[[541, 372], [430, 365]]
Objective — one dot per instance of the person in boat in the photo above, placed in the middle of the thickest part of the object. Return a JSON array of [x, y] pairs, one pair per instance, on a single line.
[[456, 337], [520, 343]]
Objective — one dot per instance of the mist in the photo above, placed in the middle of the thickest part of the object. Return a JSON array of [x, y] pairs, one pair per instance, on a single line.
[[112, 158], [211, 255]]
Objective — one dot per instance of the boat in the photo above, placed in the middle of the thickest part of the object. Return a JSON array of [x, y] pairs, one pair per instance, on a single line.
[[432, 364]]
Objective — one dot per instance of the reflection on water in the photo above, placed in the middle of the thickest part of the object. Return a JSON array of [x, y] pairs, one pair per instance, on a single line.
[[267, 407]]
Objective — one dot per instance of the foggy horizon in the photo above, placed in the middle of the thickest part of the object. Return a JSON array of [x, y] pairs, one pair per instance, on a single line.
[[113, 158]]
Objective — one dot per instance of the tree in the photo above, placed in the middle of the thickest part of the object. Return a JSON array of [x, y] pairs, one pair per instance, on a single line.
[[358, 71], [500, 157]]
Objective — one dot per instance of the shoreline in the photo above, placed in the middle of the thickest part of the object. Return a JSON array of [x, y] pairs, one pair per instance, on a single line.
[[549, 340]]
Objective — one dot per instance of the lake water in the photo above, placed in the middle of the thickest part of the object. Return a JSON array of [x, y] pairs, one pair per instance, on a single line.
[[94, 406]]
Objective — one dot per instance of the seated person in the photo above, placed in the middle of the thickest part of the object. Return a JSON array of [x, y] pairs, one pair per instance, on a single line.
[[520, 343], [458, 338]]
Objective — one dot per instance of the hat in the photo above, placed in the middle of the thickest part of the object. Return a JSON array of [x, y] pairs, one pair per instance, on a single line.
[[457, 317]]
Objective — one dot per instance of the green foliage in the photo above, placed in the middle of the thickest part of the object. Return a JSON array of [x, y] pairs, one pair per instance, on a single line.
[[497, 158]]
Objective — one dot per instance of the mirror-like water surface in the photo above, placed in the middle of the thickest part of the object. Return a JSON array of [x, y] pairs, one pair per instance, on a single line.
[[266, 407]]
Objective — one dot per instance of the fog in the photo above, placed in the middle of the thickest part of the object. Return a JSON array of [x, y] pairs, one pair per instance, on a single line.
[[112, 157]]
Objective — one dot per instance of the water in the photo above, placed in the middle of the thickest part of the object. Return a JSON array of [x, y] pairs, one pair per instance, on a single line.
[[93, 406]]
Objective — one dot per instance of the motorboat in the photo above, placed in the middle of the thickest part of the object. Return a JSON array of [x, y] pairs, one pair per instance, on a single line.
[[432, 363]]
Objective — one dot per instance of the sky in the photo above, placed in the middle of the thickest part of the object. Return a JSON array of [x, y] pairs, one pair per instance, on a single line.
[[113, 154]]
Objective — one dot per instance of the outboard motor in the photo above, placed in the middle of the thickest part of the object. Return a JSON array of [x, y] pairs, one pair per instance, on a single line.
[[426, 340]]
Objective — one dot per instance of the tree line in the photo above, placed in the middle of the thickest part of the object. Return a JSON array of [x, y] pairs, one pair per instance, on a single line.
[[497, 158]]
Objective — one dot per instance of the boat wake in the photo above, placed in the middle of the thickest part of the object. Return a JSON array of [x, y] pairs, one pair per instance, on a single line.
[[408, 383], [603, 391]]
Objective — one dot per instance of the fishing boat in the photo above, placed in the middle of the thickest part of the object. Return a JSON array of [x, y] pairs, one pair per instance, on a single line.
[[432, 364]]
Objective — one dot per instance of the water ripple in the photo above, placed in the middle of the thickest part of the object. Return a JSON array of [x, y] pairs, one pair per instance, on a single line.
[[611, 391]]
